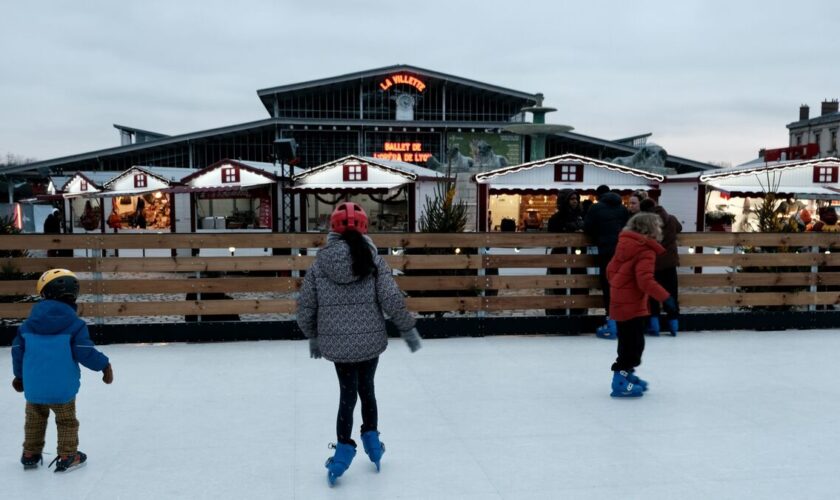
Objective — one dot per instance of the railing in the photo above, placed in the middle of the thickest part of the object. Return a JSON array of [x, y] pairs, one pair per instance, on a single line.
[[472, 273]]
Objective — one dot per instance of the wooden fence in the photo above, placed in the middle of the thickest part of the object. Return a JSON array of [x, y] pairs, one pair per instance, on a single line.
[[466, 272]]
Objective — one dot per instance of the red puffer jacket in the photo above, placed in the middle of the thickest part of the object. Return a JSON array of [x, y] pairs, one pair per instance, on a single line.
[[630, 274]]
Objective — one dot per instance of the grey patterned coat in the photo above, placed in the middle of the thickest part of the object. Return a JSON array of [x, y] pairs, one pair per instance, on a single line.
[[344, 312]]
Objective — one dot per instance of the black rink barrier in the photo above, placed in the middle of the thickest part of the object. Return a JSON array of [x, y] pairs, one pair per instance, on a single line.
[[439, 328]]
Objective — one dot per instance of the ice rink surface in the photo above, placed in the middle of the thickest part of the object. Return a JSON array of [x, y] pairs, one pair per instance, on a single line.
[[728, 415]]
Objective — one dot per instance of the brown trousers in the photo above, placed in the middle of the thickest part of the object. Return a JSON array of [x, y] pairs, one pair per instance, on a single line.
[[35, 428]]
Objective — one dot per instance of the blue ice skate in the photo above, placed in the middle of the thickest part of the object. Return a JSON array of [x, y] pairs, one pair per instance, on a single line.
[[608, 331], [653, 327], [633, 378], [340, 461], [674, 326], [373, 447], [623, 388]]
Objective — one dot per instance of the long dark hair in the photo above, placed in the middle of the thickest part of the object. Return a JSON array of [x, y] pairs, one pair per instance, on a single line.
[[360, 252]]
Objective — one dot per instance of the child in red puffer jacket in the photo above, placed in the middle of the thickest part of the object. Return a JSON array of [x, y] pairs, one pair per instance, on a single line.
[[630, 274]]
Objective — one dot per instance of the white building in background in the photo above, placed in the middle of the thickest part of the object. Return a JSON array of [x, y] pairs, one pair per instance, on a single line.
[[821, 131]]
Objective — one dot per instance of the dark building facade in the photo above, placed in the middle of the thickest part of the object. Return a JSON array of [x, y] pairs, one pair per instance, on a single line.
[[397, 112]]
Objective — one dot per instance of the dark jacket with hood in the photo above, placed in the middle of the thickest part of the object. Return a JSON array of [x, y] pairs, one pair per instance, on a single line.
[[47, 351], [604, 221], [343, 311], [670, 228], [566, 219], [630, 273]]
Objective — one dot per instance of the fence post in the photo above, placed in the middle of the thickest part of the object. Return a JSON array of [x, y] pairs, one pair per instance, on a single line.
[[814, 272]]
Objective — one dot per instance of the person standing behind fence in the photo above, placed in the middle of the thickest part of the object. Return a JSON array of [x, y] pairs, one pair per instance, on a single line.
[[340, 310], [52, 225], [666, 266], [603, 223], [567, 219], [630, 274]]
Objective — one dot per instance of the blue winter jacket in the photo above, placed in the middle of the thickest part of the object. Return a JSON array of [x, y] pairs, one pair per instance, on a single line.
[[47, 351]]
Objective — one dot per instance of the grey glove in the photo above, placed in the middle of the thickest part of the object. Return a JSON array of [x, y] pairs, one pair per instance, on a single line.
[[314, 350], [412, 338]]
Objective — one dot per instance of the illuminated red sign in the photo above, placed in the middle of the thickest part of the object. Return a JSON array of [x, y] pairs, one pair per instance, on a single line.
[[401, 78], [411, 152]]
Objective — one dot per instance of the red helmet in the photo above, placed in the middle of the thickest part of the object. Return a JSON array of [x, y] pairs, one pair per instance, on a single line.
[[349, 215]]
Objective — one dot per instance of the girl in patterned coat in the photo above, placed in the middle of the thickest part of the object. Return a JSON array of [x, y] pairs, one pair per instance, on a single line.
[[340, 310]]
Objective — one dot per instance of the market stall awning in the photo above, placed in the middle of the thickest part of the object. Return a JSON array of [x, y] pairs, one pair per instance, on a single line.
[[330, 187], [113, 194], [543, 189], [213, 189], [754, 191]]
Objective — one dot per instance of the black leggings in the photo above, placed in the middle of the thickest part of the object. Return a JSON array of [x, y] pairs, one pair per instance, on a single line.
[[356, 379], [631, 343]]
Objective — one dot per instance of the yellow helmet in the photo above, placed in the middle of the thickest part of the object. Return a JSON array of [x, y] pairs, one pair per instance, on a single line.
[[57, 284]]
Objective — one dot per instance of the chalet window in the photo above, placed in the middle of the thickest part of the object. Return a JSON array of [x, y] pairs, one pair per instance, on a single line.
[[230, 175], [832, 144], [355, 172], [140, 181], [568, 172], [83, 185], [798, 139], [817, 139], [825, 175]]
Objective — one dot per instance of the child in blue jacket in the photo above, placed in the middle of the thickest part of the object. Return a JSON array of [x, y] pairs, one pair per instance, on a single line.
[[46, 354]]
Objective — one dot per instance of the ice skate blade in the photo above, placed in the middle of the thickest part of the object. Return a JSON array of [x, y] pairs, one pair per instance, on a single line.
[[68, 470], [624, 395], [31, 467]]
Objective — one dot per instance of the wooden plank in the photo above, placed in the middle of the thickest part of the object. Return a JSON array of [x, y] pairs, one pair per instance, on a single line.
[[721, 239], [761, 259], [496, 282], [386, 240], [758, 279], [539, 261], [519, 303], [759, 299]]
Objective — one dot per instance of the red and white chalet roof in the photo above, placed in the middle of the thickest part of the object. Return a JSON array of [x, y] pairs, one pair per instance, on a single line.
[[817, 178], [362, 173], [568, 171], [233, 174]]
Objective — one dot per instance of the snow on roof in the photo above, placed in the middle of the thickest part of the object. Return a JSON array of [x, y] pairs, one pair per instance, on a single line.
[[751, 168], [486, 176], [404, 169]]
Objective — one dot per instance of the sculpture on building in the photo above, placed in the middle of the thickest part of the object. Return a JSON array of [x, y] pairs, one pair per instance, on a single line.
[[484, 156], [649, 157]]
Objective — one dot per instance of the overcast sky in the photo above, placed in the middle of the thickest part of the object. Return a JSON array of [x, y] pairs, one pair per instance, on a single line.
[[712, 80]]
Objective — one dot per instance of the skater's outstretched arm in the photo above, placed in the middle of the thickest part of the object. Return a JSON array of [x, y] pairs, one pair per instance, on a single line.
[[390, 297], [18, 348], [307, 310], [85, 352], [644, 277]]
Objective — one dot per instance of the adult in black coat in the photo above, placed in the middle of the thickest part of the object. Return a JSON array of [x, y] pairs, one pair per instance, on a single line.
[[52, 224], [603, 222], [567, 219]]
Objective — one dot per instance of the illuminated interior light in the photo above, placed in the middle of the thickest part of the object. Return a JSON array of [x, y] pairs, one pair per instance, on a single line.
[[458, 251], [690, 249], [577, 251], [231, 250]]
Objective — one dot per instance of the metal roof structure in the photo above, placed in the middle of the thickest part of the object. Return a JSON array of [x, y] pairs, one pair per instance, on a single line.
[[266, 93]]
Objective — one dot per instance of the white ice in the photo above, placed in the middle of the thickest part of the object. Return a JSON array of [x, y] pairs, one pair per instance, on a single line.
[[728, 415]]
